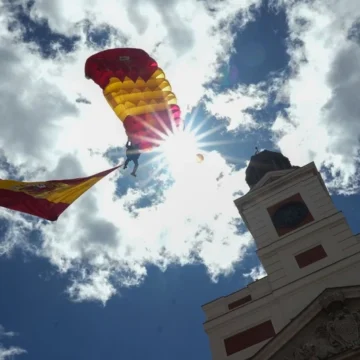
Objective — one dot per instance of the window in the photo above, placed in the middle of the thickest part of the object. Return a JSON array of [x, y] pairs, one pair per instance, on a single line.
[[310, 256], [239, 302], [249, 337]]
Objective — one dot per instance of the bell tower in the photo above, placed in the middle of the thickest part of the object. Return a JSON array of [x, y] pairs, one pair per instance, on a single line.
[[304, 244], [291, 217]]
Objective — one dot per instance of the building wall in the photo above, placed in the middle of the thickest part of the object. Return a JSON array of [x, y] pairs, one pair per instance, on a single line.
[[300, 264], [332, 234], [279, 306]]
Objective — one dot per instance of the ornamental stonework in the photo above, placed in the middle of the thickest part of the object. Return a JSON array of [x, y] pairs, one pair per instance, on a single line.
[[334, 331]]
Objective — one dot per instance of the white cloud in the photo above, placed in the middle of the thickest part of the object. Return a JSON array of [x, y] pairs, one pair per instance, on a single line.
[[4, 333], [322, 123], [232, 105], [101, 242], [8, 352], [256, 273], [187, 37], [15, 233], [97, 286]]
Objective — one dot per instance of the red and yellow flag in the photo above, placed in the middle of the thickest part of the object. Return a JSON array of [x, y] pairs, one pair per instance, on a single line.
[[46, 199]]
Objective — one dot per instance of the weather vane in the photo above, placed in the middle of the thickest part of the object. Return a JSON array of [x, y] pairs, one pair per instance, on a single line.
[[257, 150]]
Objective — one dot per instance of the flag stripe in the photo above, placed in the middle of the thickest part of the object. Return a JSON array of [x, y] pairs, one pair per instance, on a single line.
[[43, 208], [80, 180]]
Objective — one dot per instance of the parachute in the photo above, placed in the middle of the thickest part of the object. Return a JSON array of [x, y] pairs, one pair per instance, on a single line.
[[138, 92]]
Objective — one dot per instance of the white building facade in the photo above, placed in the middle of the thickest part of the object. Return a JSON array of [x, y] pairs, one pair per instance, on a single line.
[[308, 305]]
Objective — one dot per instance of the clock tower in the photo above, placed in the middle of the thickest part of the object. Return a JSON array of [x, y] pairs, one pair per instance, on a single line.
[[305, 246], [284, 205]]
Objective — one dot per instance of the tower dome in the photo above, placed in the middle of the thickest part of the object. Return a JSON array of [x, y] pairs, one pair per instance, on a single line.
[[263, 162]]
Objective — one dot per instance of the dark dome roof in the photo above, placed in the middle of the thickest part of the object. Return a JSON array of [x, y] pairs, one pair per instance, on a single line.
[[264, 162]]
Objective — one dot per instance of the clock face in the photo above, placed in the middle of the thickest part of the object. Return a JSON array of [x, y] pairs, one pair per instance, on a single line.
[[290, 215]]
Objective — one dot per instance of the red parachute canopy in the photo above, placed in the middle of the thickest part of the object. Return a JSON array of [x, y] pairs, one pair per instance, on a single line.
[[138, 92]]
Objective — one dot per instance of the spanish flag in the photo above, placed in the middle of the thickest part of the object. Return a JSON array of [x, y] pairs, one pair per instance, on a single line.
[[46, 199]]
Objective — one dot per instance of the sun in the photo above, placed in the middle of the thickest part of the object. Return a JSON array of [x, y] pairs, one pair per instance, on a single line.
[[181, 150]]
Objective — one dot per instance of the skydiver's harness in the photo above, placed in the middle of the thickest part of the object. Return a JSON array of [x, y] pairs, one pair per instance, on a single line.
[[132, 152]]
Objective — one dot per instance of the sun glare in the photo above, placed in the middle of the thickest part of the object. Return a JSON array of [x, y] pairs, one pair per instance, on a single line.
[[180, 149], [181, 152]]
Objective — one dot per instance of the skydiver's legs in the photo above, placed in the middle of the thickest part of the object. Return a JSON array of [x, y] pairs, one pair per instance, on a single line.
[[136, 163], [126, 163]]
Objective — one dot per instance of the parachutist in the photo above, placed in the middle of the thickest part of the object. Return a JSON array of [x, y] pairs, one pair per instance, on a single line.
[[132, 154]]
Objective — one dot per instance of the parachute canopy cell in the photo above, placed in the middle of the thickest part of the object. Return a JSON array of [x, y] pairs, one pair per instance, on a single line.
[[138, 92]]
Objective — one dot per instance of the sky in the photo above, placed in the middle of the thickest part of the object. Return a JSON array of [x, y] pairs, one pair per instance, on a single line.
[[124, 271]]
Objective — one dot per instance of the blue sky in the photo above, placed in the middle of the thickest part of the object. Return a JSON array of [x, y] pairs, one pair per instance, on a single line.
[[124, 272]]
